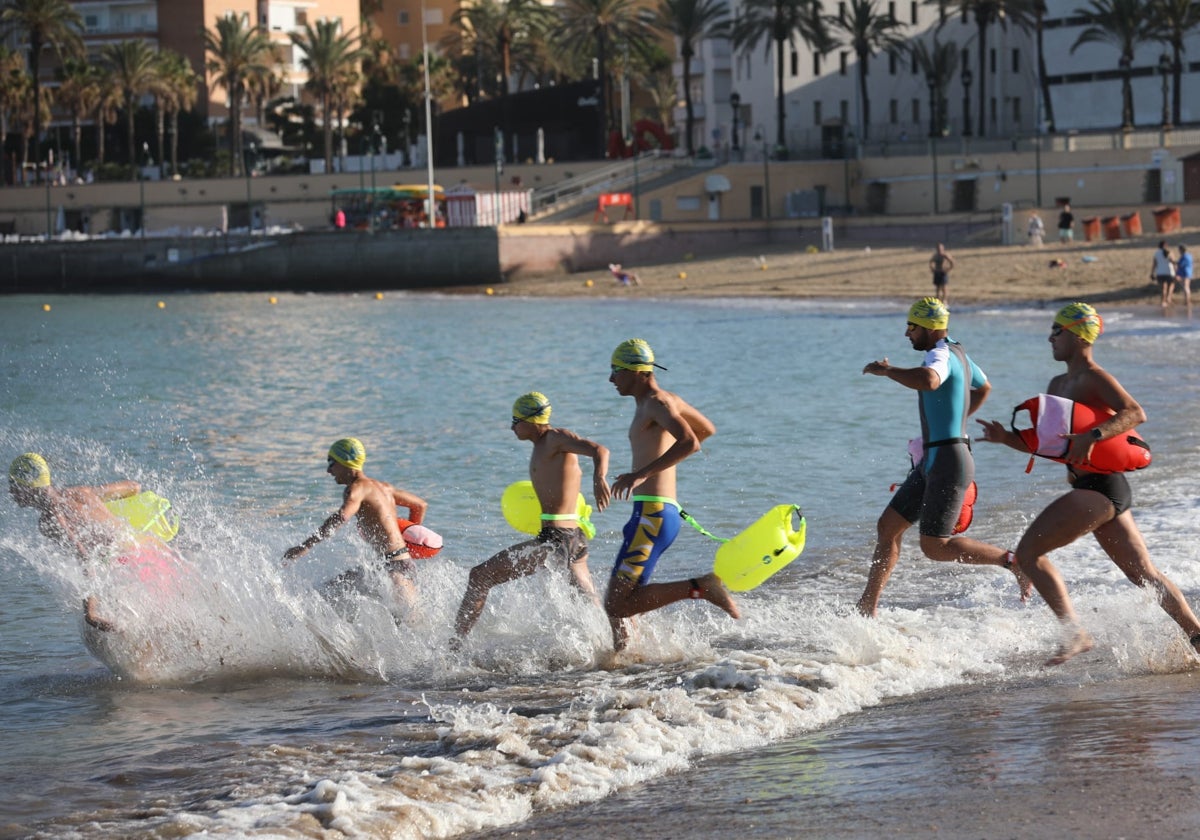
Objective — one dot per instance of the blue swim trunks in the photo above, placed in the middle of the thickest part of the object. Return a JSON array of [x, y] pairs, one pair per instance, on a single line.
[[648, 533]]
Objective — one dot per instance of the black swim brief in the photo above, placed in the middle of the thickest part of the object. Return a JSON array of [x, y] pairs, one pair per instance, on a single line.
[[1113, 486]]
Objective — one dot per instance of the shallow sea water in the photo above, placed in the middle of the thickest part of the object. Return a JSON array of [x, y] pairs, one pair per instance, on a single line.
[[250, 705]]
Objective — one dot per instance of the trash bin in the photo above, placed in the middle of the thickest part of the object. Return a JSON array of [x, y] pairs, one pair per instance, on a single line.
[[1131, 223], [1091, 229], [1112, 227], [1166, 219]]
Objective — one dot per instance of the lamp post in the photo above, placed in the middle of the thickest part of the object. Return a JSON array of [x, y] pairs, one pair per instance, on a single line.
[[248, 166], [760, 136], [967, 78], [849, 141], [407, 145], [431, 202], [735, 103], [932, 82], [142, 190], [1164, 67]]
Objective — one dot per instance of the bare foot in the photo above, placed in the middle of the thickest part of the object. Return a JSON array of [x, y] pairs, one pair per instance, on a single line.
[[866, 609], [1079, 642], [715, 592]]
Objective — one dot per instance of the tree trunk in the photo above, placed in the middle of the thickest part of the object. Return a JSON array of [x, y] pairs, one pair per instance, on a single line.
[[780, 144]]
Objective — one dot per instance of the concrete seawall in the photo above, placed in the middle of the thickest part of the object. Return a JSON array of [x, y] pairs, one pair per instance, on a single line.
[[327, 261]]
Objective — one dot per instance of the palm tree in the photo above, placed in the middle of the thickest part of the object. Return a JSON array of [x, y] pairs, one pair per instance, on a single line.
[[1039, 21], [179, 88], [937, 63], [498, 28], [691, 21], [106, 108], [13, 85], [1176, 20], [331, 59], [868, 31], [134, 68], [987, 12], [46, 23], [779, 22], [595, 27], [33, 110], [239, 53], [78, 92], [1125, 24]]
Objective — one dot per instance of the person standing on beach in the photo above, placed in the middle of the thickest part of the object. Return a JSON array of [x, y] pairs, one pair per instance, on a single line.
[[1036, 229], [556, 476], [1097, 503], [1162, 271], [951, 387], [1183, 272], [940, 265], [373, 503], [665, 430], [1066, 224]]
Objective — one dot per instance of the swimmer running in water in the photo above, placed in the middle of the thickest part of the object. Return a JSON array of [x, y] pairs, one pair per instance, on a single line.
[[76, 518], [1097, 504], [665, 430], [373, 503], [556, 476]]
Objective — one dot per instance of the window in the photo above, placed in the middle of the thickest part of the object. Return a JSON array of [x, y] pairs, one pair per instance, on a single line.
[[402, 18], [992, 110], [892, 9], [844, 111], [916, 112], [912, 67], [795, 63], [894, 111], [301, 17], [843, 60], [912, 12], [891, 64], [992, 61], [817, 112], [816, 64], [1016, 61], [1016, 111]]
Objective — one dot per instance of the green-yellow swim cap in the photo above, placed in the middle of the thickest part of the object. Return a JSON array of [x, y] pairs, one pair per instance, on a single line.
[[1081, 319], [533, 407], [634, 354], [349, 452], [29, 470], [930, 313]]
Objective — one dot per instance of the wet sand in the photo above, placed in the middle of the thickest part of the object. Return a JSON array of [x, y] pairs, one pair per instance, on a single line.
[[1094, 272], [1042, 760]]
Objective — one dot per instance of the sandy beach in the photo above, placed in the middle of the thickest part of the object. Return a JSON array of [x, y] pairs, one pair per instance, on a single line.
[[1091, 271]]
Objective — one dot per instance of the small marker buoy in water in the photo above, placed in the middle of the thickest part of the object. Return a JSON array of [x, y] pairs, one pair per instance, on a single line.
[[490, 290], [379, 296], [272, 300], [45, 307], [162, 305]]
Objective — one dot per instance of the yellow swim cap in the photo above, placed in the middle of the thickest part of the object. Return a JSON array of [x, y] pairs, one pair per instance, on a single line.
[[1081, 319], [533, 407], [930, 313], [30, 470], [634, 354], [349, 452]]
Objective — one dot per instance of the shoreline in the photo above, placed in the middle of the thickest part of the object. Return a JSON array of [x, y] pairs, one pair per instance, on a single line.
[[1096, 272]]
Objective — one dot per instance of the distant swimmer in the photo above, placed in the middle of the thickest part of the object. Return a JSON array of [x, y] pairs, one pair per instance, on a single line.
[[373, 503], [1098, 503], [665, 430], [951, 388], [77, 519], [624, 276], [556, 476]]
